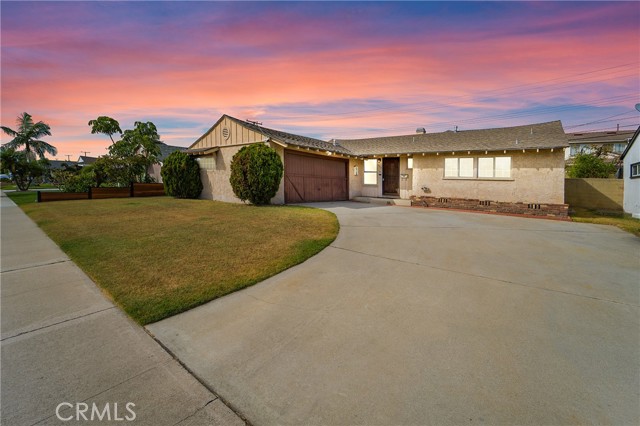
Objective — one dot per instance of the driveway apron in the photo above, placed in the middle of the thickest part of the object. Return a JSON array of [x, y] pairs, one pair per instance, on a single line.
[[416, 316]]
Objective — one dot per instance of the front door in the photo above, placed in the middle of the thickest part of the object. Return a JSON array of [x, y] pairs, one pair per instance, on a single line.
[[391, 176]]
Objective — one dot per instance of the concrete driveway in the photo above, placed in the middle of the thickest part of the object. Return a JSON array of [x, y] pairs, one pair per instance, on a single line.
[[417, 316]]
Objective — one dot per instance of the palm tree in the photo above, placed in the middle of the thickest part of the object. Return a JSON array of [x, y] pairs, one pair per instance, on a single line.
[[29, 134]]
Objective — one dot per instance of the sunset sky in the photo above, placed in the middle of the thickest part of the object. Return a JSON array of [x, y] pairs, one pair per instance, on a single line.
[[320, 69]]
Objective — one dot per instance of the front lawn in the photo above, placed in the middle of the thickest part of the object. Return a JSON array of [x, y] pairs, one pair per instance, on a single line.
[[23, 197], [160, 256]]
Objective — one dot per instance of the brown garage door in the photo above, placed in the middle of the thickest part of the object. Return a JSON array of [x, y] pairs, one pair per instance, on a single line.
[[309, 178]]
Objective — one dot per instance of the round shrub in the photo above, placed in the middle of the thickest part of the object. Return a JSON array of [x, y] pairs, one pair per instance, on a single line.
[[256, 172], [181, 176]]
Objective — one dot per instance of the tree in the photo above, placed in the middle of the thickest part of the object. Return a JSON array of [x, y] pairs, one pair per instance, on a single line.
[[181, 176], [256, 172], [28, 135], [23, 170], [106, 126], [590, 166], [136, 151]]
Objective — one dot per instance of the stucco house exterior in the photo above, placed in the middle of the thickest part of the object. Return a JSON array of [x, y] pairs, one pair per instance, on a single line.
[[631, 175], [523, 164]]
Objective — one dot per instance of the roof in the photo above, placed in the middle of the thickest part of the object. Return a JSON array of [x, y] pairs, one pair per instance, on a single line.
[[292, 139], [600, 137], [57, 164], [202, 151], [531, 136], [86, 160], [634, 138], [165, 150]]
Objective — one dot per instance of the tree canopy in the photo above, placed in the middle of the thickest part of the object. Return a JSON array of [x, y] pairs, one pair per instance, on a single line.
[[28, 135], [23, 170], [106, 126], [590, 166]]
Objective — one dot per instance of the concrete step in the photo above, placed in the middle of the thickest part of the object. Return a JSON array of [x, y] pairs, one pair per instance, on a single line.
[[383, 201]]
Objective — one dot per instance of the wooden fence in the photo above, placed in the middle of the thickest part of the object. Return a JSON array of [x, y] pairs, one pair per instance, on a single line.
[[134, 190]]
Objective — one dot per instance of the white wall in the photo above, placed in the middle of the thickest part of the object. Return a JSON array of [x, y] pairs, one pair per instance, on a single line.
[[632, 186]]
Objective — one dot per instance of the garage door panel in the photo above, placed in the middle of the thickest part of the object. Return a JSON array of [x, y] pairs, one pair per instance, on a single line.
[[294, 188], [339, 189], [312, 178]]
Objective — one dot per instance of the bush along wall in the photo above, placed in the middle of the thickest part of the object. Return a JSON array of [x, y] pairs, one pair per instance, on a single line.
[[256, 172], [181, 176]]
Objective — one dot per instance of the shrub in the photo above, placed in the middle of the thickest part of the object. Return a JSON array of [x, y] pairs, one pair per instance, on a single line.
[[23, 169], [181, 176], [256, 172], [590, 166]]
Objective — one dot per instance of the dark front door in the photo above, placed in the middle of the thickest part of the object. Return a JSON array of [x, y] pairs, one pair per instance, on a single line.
[[391, 176]]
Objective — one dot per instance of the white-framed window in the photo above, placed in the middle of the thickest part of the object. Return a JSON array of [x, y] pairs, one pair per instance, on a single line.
[[502, 167], [207, 163], [635, 171], [480, 168], [459, 167], [371, 171], [486, 167]]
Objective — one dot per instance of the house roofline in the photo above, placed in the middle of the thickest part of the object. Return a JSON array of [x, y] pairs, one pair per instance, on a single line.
[[633, 139]]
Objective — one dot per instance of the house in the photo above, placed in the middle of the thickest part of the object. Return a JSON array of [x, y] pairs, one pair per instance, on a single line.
[[631, 175], [613, 142], [84, 160], [523, 164], [165, 150]]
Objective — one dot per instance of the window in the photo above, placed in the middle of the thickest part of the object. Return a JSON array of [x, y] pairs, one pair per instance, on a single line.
[[503, 167], [485, 167], [481, 168], [635, 171], [206, 163], [458, 167], [410, 163], [618, 148], [466, 167], [371, 172], [450, 167]]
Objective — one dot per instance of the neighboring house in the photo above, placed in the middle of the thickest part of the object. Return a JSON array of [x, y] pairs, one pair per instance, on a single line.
[[165, 150], [631, 175], [84, 160], [515, 164], [613, 142], [58, 164]]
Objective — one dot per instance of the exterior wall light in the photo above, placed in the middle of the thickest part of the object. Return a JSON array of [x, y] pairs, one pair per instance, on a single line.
[[355, 170]]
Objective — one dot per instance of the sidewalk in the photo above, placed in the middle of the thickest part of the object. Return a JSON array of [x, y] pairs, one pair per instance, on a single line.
[[63, 342]]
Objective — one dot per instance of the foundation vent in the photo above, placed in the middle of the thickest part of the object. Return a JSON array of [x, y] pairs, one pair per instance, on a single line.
[[485, 203], [533, 206], [443, 200]]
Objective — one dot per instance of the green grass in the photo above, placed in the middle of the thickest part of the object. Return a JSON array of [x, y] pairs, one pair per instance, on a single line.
[[156, 257], [11, 185], [622, 220], [26, 197]]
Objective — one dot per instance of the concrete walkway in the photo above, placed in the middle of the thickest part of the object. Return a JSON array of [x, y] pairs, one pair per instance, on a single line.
[[63, 341], [417, 316]]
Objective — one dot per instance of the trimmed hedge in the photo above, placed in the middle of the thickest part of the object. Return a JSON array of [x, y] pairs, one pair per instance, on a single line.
[[256, 172], [181, 176]]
